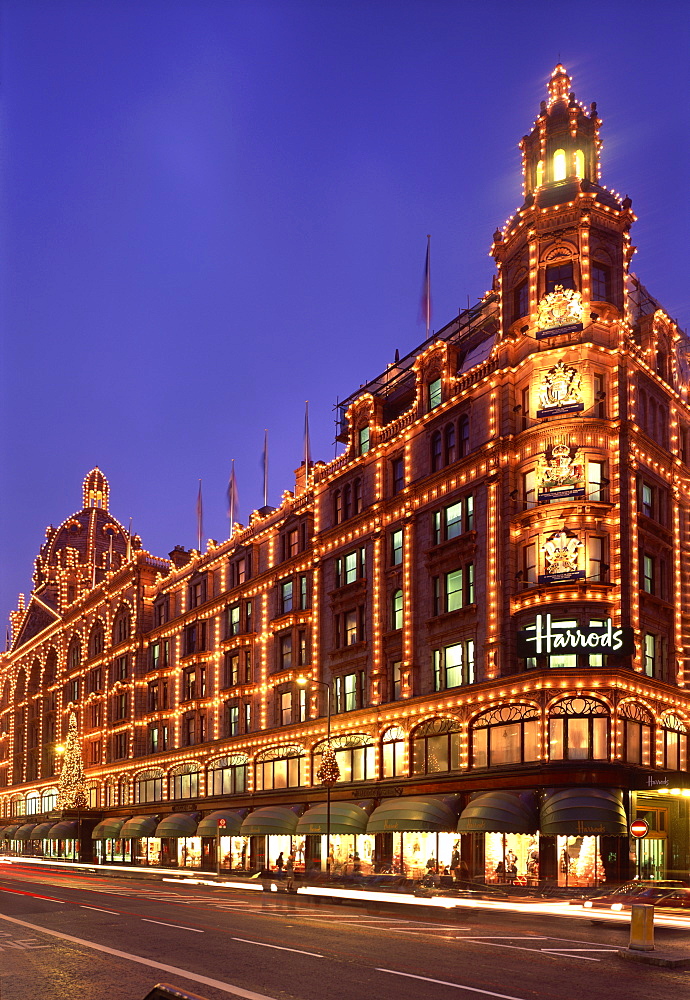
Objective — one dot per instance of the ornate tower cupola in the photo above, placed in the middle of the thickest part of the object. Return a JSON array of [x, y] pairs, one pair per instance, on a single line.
[[563, 147], [96, 490], [563, 256]]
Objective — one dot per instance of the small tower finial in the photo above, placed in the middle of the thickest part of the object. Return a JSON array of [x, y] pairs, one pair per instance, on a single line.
[[559, 85]]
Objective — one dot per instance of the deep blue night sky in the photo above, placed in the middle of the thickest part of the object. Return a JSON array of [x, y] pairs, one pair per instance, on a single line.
[[212, 211]]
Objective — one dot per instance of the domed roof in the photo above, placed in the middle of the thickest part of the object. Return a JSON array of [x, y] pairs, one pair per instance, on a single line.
[[84, 537]]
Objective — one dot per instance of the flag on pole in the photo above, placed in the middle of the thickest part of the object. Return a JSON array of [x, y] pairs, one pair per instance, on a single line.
[[233, 498], [425, 302], [307, 445], [199, 517], [264, 462]]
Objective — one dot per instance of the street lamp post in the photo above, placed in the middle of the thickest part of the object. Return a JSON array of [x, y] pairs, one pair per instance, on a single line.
[[329, 772]]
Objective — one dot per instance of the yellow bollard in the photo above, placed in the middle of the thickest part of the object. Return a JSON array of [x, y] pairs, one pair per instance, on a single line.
[[641, 927]]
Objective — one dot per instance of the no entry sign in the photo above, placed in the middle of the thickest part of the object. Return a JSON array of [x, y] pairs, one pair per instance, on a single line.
[[639, 828]]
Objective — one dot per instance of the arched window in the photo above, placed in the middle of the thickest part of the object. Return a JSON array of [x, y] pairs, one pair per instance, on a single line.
[[35, 677], [184, 781], [540, 173], [74, 654], [579, 163], [675, 743], [122, 625], [450, 445], [347, 502], [397, 610], [560, 167], [355, 754], [579, 730], [507, 735], [636, 733], [436, 746], [436, 451], [357, 496], [96, 640], [48, 799], [33, 803], [280, 767], [149, 785], [392, 752], [464, 435], [227, 775], [50, 671]]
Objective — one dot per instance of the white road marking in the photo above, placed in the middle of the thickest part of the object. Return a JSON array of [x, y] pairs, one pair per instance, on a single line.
[[457, 986], [277, 947], [179, 927], [173, 970], [565, 951], [99, 908]]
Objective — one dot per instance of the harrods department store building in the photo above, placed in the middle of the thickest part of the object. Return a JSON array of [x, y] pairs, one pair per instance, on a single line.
[[489, 587]]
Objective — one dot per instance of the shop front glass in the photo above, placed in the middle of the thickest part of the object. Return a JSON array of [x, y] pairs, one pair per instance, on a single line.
[[351, 854], [510, 856], [146, 850], [415, 854], [579, 862], [189, 852], [234, 853]]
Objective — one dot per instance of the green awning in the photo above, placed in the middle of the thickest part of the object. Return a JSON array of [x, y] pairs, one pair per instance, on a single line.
[[412, 815], [140, 826], [67, 830], [24, 832], [41, 831], [208, 826], [9, 832], [582, 812], [346, 817], [499, 812], [108, 829], [269, 820], [177, 825]]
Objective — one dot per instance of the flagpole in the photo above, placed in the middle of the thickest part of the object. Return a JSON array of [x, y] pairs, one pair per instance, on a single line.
[[266, 467], [427, 280], [129, 541], [232, 496], [307, 456], [199, 516]]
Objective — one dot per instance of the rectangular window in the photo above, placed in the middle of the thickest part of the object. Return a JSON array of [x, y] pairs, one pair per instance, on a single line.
[[454, 665], [233, 720], [648, 574], [529, 563], [350, 567], [397, 474], [303, 593], [286, 708], [285, 652], [454, 590], [232, 621], [302, 705], [351, 628], [435, 394], [121, 668], [154, 655], [453, 517], [302, 650], [247, 717], [188, 684], [647, 500], [600, 283], [559, 274], [470, 582], [247, 666], [152, 700], [363, 440], [650, 655], [529, 488], [286, 596], [291, 543], [397, 548], [231, 669], [396, 680], [596, 481], [598, 386], [520, 300]]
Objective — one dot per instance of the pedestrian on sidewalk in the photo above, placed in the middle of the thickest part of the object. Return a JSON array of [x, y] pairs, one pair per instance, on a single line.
[[290, 872], [280, 863]]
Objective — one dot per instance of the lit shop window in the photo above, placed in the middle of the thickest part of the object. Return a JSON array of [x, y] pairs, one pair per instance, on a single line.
[[579, 730], [508, 735]]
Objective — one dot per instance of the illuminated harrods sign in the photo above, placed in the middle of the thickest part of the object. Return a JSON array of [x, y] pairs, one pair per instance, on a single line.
[[561, 556], [560, 476], [560, 391], [560, 312], [548, 636]]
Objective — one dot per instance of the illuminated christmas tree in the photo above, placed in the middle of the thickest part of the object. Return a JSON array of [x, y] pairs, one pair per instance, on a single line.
[[71, 787], [329, 772], [589, 868]]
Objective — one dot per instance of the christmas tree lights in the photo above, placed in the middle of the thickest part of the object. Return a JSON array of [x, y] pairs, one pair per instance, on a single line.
[[329, 772], [71, 787]]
